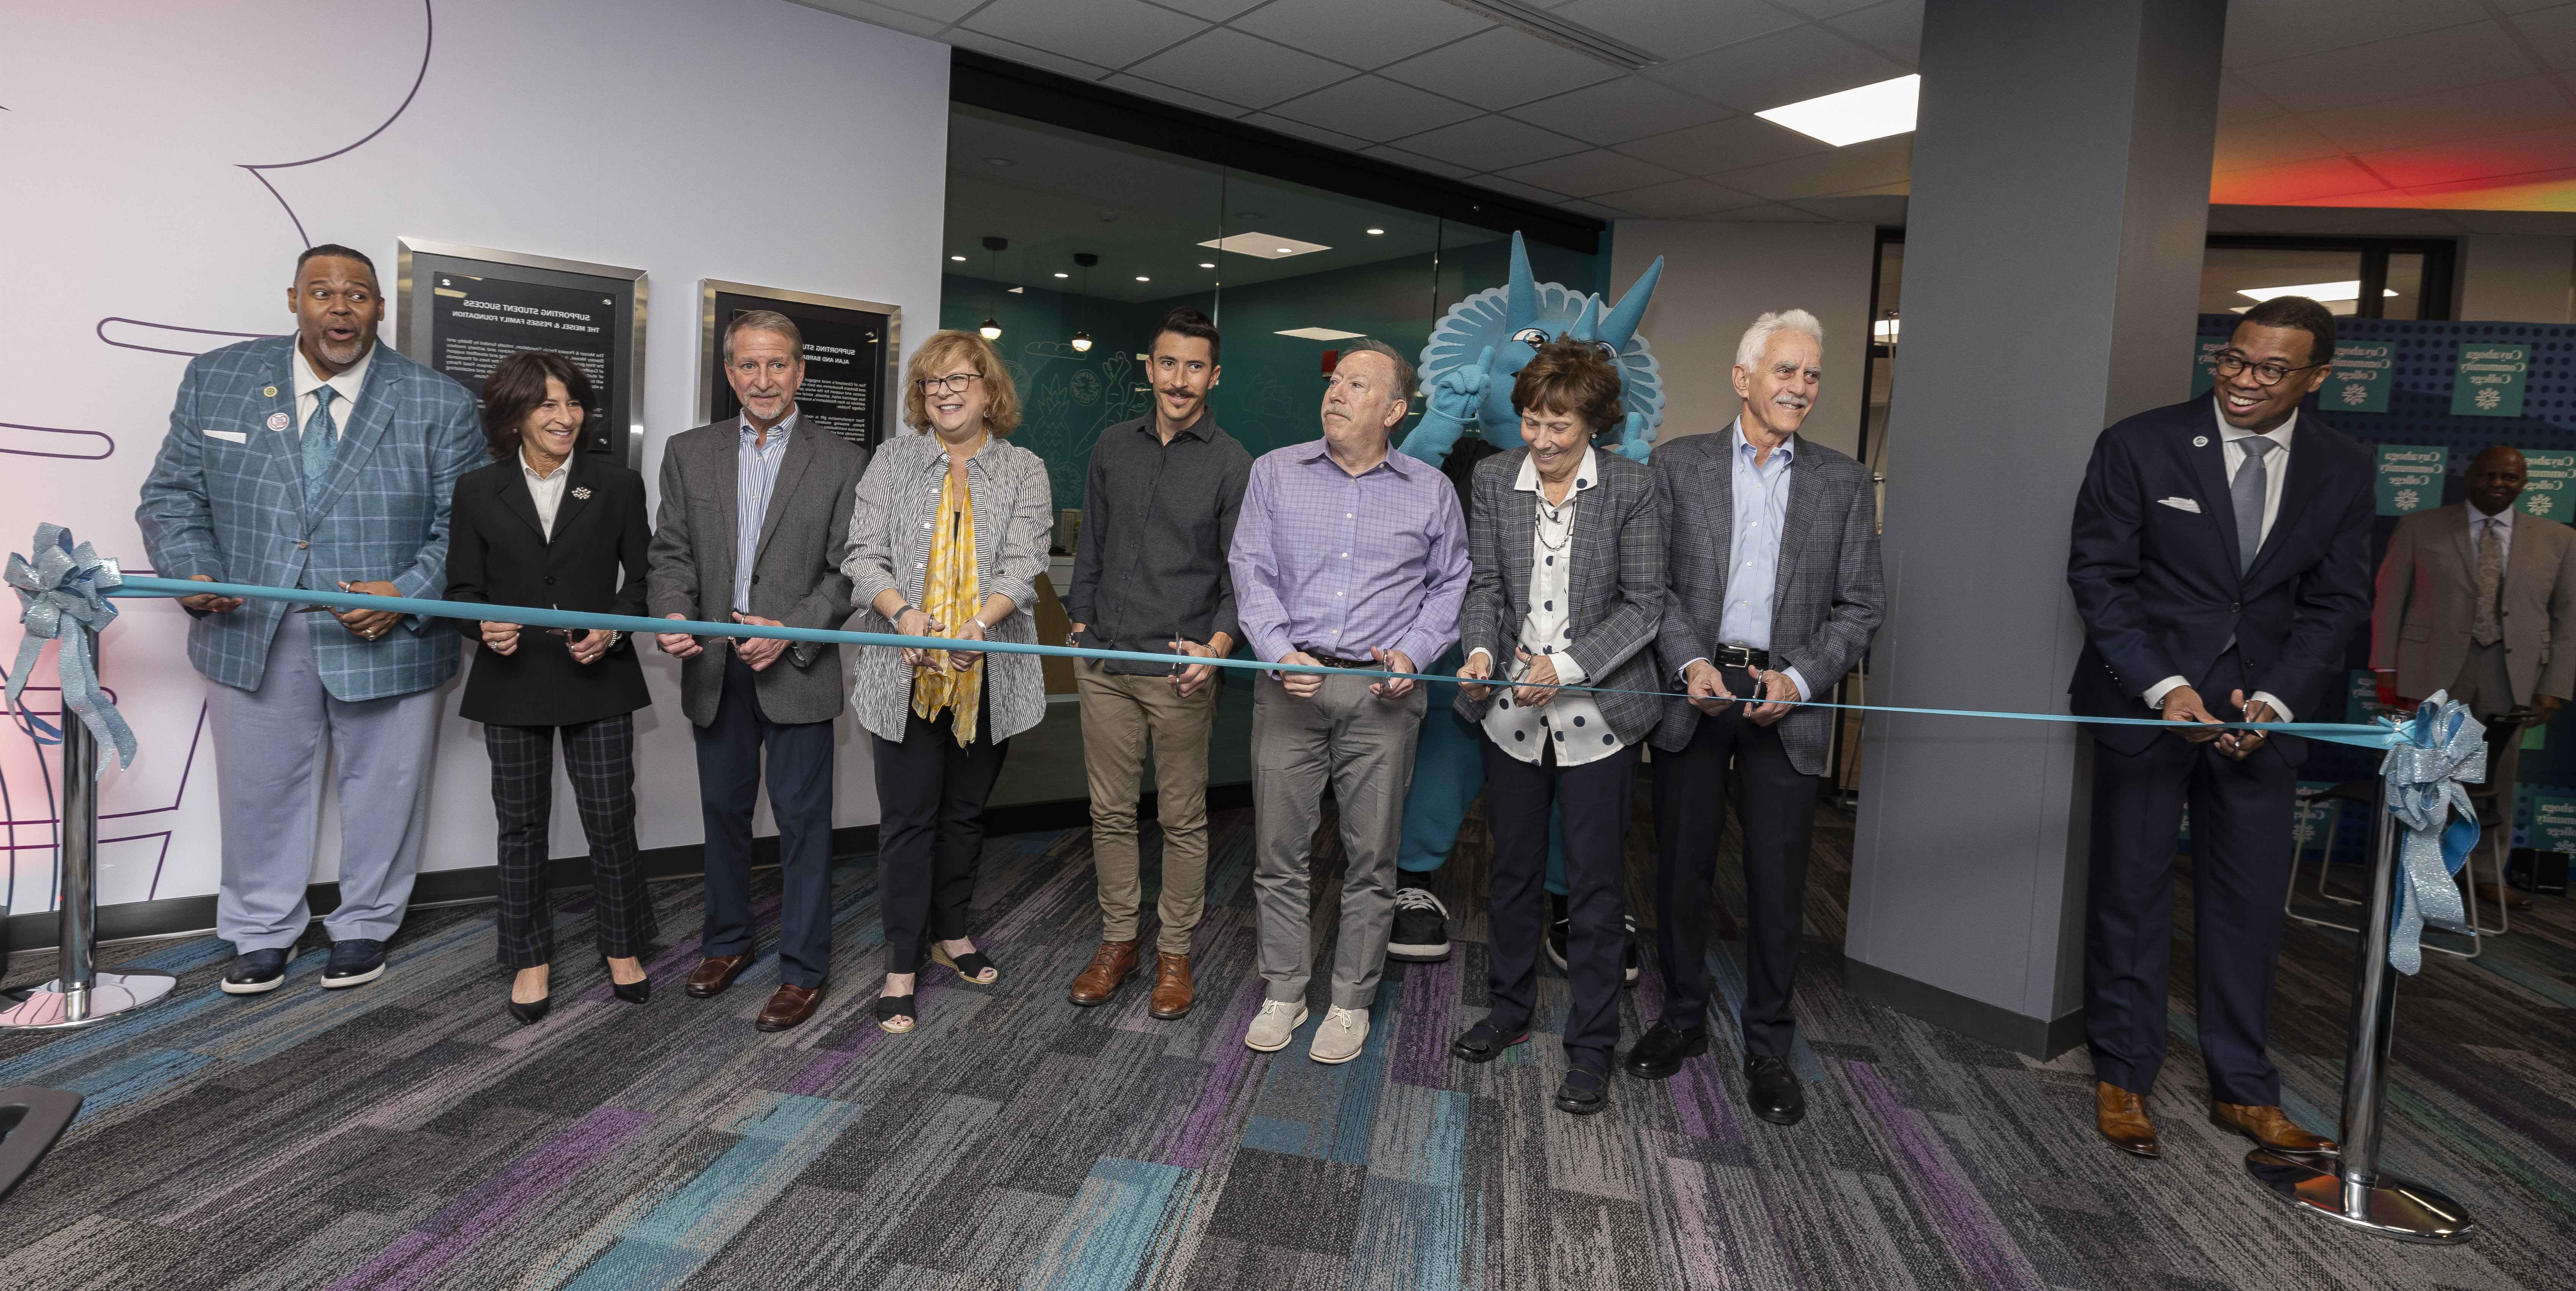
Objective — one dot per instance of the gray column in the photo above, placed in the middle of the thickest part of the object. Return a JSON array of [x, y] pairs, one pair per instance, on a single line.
[[2052, 266]]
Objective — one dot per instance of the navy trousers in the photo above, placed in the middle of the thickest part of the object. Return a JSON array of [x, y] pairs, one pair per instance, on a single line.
[[800, 798], [1594, 800]]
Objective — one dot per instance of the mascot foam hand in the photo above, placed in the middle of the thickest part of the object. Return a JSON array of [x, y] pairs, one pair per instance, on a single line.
[[1448, 407], [1636, 439]]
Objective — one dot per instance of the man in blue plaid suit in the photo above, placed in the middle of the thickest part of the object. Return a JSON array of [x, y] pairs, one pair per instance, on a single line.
[[324, 461]]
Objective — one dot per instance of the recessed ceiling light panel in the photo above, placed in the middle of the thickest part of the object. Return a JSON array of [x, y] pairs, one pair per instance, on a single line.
[[2349, 289], [1855, 115], [1320, 334], [1265, 246]]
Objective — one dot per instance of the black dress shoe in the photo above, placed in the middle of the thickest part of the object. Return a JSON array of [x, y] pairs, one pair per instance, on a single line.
[[530, 1014], [1659, 1052], [255, 972], [1484, 1043], [1584, 1092], [635, 992], [1773, 1091], [355, 961]]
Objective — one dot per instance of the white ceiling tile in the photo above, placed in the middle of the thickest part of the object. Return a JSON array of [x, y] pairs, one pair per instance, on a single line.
[[2553, 33], [2240, 103], [1590, 174], [2393, 69], [1429, 165], [1894, 29], [1501, 68], [1844, 170], [2269, 143], [1226, 64], [1490, 143], [1310, 133], [1019, 53], [1211, 10], [1732, 144], [1373, 107], [1630, 107], [2267, 31], [1157, 90], [1678, 28], [2500, 107], [1525, 192], [1362, 33], [1784, 67], [1111, 33], [880, 15], [1681, 199]]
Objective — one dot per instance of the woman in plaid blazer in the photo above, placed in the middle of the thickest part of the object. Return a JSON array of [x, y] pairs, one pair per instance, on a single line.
[[549, 525]]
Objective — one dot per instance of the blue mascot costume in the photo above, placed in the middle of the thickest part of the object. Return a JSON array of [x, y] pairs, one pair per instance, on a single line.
[[1467, 372]]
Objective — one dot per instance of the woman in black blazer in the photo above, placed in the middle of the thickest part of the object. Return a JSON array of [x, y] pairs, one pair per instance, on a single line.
[[548, 525]]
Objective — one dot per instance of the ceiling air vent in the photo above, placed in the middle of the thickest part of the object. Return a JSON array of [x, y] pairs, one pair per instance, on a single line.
[[1557, 31]]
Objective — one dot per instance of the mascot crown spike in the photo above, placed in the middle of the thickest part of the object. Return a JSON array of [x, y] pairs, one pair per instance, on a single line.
[[1620, 323], [1520, 305]]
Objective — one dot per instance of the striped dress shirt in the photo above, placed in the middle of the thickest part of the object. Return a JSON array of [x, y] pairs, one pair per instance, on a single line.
[[1328, 561], [755, 478]]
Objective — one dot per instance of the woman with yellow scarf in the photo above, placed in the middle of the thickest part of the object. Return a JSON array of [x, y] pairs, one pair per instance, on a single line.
[[948, 535]]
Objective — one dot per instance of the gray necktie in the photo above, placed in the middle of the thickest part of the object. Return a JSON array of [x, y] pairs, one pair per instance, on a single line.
[[2247, 489], [319, 440]]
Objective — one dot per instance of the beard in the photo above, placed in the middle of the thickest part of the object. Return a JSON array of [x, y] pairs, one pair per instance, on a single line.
[[341, 354]]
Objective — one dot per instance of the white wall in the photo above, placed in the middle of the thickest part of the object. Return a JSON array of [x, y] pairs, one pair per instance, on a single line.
[[1718, 278], [751, 140], [2514, 278]]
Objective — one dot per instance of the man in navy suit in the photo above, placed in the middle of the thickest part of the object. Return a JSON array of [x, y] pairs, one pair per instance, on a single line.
[[2221, 563]]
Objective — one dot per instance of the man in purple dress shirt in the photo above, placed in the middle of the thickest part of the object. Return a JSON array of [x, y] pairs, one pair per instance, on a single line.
[[1348, 556]]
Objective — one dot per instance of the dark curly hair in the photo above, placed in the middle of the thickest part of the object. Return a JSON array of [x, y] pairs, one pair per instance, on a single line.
[[1571, 376], [518, 385]]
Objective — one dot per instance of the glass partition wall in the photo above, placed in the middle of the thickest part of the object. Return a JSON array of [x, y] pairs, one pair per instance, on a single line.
[[1073, 247]]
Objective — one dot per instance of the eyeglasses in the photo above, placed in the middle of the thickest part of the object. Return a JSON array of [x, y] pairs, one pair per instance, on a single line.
[[950, 385], [2266, 374]]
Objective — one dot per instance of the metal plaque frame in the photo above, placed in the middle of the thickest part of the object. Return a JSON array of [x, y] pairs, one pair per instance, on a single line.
[[710, 365], [411, 319]]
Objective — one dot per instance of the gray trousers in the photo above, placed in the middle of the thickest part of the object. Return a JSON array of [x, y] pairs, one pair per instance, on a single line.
[[1362, 746], [269, 750]]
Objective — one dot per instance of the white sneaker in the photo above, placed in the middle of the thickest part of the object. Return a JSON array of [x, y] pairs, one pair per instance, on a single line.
[[1340, 1037], [1271, 1028]]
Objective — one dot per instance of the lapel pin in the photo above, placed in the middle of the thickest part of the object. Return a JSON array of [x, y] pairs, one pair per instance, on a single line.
[[2200, 441], [268, 393], [278, 421], [582, 493]]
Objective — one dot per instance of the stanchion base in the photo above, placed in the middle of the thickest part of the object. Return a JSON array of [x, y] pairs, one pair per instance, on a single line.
[[46, 1008], [2393, 1206]]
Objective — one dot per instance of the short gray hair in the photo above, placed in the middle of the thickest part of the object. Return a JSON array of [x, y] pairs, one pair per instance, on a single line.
[[764, 320], [1748, 352], [1403, 368]]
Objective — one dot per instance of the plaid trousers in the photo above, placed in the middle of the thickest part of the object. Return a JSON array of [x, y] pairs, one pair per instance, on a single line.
[[600, 758]]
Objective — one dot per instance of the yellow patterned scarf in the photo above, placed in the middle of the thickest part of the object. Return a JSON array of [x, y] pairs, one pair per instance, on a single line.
[[951, 595]]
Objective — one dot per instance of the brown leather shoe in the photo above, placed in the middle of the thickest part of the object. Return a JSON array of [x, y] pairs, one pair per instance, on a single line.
[[1111, 966], [2510, 900], [715, 973], [2269, 1127], [787, 1006], [2122, 1118], [1173, 994]]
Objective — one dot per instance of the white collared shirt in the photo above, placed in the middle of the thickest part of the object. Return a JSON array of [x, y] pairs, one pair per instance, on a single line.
[[2277, 467], [1572, 719], [545, 490], [345, 387]]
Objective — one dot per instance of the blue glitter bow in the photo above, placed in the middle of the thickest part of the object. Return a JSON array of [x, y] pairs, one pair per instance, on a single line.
[[2436, 755], [62, 595]]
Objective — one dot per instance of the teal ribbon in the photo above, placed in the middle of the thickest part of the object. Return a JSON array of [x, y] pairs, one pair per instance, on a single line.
[[62, 597], [2439, 752], [2362, 736]]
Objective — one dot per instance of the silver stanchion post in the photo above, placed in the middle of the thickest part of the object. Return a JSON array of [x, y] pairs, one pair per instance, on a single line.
[[81, 995], [2352, 1190]]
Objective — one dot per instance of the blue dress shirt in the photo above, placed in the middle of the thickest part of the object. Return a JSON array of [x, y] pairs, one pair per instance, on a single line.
[[1761, 510], [755, 478]]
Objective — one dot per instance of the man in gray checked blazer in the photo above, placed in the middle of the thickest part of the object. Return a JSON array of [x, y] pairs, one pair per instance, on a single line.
[[320, 460], [1776, 592], [753, 524]]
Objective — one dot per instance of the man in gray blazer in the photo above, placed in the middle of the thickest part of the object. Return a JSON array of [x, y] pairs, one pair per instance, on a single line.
[[1775, 592], [753, 524], [2470, 599], [319, 460]]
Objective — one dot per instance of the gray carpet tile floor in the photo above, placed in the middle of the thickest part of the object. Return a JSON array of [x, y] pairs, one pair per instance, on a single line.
[[409, 1134]]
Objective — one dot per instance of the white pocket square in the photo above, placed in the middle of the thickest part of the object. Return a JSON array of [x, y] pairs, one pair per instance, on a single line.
[[2180, 504], [234, 435]]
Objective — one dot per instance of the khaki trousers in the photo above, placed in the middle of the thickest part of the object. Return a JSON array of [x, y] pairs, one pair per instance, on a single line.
[[1122, 716]]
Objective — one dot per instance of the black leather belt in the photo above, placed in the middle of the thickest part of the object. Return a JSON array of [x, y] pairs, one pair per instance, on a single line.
[[1336, 661], [1736, 656]]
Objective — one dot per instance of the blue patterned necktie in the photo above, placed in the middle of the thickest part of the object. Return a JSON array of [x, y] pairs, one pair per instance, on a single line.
[[319, 440]]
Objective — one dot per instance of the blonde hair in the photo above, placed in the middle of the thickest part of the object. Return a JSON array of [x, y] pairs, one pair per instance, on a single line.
[[943, 350]]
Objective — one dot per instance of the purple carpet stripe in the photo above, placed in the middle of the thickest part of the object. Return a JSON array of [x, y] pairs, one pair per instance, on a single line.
[[1700, 1104], [1226, 1090], [1956, 1210], [496, 1204], [1422, 1044]]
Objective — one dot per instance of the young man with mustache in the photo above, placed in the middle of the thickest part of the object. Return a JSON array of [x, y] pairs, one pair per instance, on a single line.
[[1150, 575]]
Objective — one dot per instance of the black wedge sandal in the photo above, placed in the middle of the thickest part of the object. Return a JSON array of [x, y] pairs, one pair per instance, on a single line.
[[891, 1007], [972, 968]]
